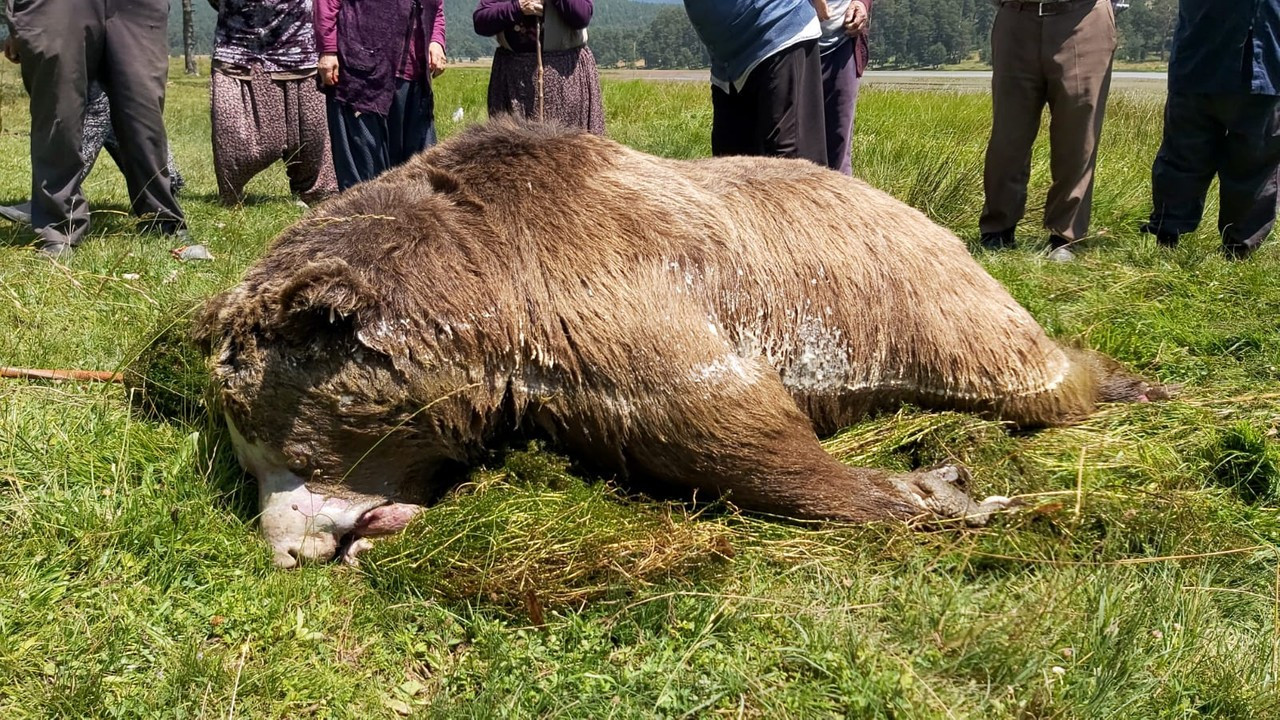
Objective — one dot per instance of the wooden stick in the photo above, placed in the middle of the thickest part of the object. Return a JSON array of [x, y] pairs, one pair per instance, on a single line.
[[538, 45], [36, 374]]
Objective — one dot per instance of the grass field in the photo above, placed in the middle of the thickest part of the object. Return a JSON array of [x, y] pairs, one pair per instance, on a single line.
[[1143, 583]]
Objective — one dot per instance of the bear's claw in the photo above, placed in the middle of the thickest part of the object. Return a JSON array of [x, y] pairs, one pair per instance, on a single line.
[[938, 492]]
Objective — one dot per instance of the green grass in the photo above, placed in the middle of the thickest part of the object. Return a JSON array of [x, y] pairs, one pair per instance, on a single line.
[[134, 585]]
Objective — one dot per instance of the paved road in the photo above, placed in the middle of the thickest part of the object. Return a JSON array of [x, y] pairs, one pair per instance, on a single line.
[[958, 80], [980, 80]]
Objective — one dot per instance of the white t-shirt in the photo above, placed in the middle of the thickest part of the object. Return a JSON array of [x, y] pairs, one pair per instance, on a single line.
[[833, 27]]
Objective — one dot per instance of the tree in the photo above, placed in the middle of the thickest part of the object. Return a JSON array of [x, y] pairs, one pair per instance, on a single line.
[[915, 33], [189, 37], [1146, 29], [614, 47], [936, 55], [671, 42]]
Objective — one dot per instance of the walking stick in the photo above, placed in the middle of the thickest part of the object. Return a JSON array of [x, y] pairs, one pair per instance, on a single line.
[[537, 39], [36, 374]]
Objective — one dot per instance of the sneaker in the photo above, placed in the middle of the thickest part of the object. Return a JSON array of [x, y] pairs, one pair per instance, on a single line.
[[1060, 249], [1000, 240], [1061, 254], [1164, 238], [20, 213]]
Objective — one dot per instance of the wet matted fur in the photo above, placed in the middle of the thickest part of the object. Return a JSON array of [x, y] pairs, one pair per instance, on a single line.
[[696, 323]]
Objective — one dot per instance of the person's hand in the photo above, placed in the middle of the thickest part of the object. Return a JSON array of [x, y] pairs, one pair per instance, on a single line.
[[11, 49], [435, 59], [855, 18], [328, 68], [531, 7], [824, 12]]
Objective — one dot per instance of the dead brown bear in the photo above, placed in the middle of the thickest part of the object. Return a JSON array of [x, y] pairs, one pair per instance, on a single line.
[[693, 323]]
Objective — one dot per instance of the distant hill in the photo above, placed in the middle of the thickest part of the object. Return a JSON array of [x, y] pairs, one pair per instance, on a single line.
[[462, 41]]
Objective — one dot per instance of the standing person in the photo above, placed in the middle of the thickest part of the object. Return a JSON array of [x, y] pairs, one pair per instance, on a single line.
[[1222, 117], [265, 104], [844, 54], [377, 58], [571, 82], [766, 79], [63, 46], [1057, 52], [98, 136]]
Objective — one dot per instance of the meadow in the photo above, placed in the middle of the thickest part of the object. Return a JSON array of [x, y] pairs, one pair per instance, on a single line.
[[1142, 580]]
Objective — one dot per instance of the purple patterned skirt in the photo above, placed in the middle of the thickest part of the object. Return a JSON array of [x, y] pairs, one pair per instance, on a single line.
[[571, 87]]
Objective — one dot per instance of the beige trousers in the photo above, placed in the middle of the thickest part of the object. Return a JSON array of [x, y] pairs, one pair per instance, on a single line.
[[1062, 59]]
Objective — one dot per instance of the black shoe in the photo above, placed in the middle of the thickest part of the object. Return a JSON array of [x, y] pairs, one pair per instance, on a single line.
[[1236, 252], [152, 225], [1164, 238], [1000, 240]]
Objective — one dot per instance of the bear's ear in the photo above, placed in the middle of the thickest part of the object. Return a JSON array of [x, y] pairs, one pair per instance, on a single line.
[[445, 183], [206, 321], [321, 297], [328, 285]]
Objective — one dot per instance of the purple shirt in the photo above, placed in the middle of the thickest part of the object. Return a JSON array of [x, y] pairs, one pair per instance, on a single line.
[[492, 17], [414, 64]]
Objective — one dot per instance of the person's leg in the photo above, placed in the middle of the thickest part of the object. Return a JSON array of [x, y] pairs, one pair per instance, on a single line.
[[511, 85], [135, 73], [307, 159], [1247, 174], [247, 130], [97, 129], [1190, 150], [359, 143], [840, 99], [732, 123], [786, 90], [1080, 45], [99, 136], [1018, 96], [411, 122], [59, 42], [572, 90], [586, 83], [176, 179]]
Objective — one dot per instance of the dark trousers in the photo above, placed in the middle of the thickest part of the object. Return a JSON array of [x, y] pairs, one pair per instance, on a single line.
[[1237, 138], [65, 45], [778, 111], [1062, 59], [840, 83], [365, 145]]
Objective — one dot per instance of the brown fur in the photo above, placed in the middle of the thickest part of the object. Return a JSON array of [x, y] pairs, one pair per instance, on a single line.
[[690, 322]]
